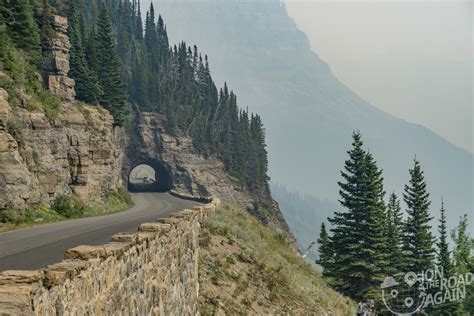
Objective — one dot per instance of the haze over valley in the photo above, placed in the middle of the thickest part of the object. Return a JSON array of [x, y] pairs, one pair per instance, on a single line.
[[308, 113]]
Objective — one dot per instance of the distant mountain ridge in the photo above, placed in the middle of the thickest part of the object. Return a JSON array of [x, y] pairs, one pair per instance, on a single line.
[[308, 112]]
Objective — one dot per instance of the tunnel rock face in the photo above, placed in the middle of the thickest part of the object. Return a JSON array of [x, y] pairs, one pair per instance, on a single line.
[[175, 157], [190, 173]]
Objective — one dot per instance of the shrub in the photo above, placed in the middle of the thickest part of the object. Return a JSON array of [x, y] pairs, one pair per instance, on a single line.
[[13, 95], [120, 195], [69, 206], [51, 104], [9, 216], [15, 130]]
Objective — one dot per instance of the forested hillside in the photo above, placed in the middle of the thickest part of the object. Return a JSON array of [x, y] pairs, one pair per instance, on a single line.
[[174, 80], [128, 66]]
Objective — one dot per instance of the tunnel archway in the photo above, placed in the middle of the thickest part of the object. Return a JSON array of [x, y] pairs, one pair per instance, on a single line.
[[149, 177]]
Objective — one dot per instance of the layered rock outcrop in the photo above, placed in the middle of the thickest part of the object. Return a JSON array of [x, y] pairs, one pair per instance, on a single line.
[[40, 159], [56, 59], [151, 272]]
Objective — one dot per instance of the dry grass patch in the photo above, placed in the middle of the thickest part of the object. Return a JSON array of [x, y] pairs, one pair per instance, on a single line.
[[246, 268]]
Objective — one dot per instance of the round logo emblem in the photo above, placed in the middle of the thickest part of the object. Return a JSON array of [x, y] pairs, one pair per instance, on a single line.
[[403, 293]]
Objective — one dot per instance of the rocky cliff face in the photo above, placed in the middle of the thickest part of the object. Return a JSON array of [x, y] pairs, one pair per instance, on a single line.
[[56, 60], [190, 172], [42, 158]]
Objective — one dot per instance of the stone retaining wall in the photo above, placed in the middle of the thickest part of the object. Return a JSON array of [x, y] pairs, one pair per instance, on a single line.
[[151, 272]]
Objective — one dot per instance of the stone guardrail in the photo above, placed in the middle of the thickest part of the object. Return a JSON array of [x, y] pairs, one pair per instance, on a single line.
[[200, 199], [150, 272]]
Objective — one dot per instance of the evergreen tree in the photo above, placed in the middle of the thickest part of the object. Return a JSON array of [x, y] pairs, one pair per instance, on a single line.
[[326, 252], [418, 239], [394, 235], [86, 85], [113, 96], [443, 260], [462, 246], [257, 132], [151, 38], [359, 234], [349, 227], [464, 261], [375, 241], [7, 48], [21, 27], [163, 43], [90, 49], [443, 254], [138, 21]]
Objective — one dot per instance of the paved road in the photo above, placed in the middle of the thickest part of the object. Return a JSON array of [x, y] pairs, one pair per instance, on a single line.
[[37, 247]]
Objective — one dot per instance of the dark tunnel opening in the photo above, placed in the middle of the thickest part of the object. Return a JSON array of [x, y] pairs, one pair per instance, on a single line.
[[149, 177]]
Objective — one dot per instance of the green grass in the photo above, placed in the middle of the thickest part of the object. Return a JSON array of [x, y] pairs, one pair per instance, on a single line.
[[23, 78], [15, 130], [65, 207]]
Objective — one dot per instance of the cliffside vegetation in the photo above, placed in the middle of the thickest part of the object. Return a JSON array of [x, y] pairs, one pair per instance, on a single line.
[[246, 268], [175, 81], [21, 23]]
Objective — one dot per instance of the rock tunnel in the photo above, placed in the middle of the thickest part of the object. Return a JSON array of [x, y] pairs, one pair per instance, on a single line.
[[149, 176]]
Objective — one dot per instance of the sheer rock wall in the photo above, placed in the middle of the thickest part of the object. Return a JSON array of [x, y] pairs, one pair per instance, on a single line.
[[40, 160]]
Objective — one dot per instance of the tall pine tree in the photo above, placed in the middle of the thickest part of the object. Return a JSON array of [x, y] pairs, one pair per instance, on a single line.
[[444, 261], [418, 239], [349, 227], [86, 86], [443, 253], [375, 239], [326, 252], [113, 96], [359, 234], [394, 235]]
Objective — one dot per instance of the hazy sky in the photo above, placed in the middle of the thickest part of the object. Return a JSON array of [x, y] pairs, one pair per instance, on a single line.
[[410, 58]]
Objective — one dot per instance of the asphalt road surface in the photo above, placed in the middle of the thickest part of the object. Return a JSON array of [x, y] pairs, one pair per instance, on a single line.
[[40, 246]]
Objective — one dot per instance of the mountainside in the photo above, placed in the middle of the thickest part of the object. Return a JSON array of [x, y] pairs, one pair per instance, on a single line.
[[86, 98], [309, 114]]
